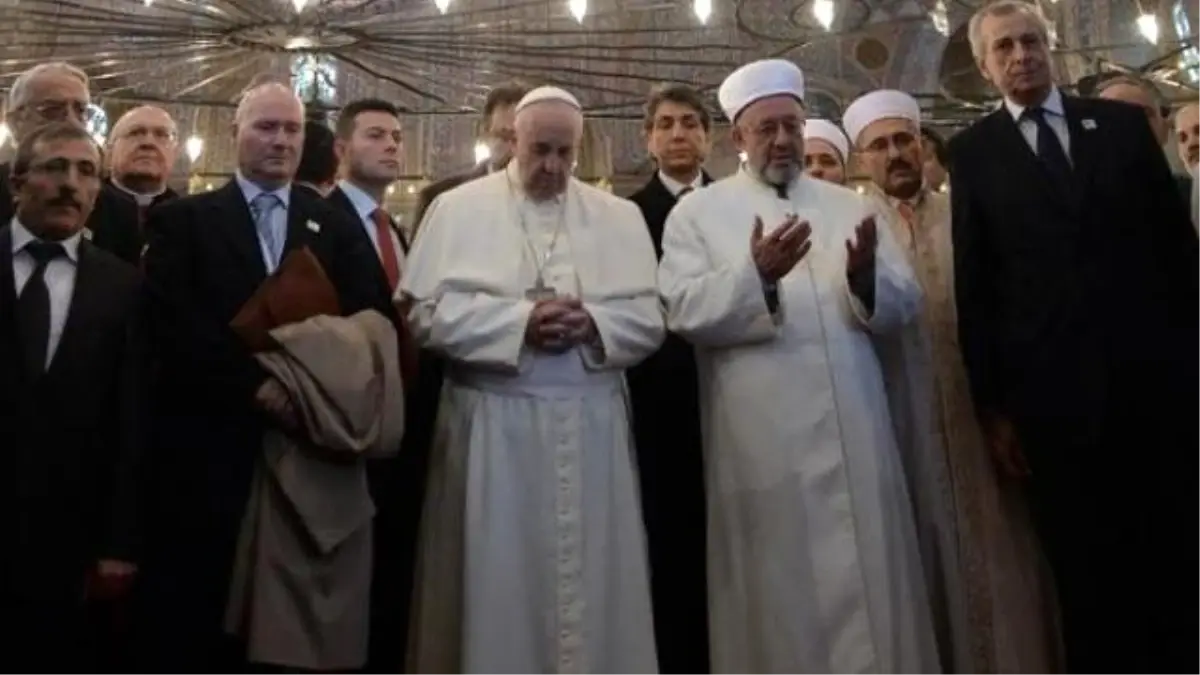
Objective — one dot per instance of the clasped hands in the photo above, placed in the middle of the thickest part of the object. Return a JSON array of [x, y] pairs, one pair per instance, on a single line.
[[558, 324], [775, 254]]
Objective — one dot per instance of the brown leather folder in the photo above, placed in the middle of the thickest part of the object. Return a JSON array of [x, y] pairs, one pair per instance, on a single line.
[[298, 290]]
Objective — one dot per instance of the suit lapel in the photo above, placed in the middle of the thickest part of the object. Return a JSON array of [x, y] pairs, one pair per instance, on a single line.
[[232, 216], [8, 306], [298, 232], [1083, 142], [1014, 143]]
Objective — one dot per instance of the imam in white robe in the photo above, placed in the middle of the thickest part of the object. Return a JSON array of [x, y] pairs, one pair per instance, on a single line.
[[813, 565], [533, 558]]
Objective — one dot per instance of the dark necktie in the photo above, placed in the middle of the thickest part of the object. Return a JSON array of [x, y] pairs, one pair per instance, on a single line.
[[1049, 148], [387, 248], [33, 308]]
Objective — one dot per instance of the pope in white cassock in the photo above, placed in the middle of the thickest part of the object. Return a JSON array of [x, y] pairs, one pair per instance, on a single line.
[[778, 279], [540, 291]]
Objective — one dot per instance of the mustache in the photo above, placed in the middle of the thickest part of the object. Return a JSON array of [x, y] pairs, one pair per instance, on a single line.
[[67, 200], [898, 164]]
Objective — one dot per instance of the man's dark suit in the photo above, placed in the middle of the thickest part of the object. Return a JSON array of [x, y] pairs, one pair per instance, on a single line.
[[71, 445], [113, 222], [202, 263], [665, 400], [398, 487], [431, 191], [1077, 313]]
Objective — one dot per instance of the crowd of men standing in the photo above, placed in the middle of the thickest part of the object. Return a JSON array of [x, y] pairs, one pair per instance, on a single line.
[[765, 423]]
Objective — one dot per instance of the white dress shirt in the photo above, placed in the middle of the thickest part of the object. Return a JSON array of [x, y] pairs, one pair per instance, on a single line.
[[365, 205], [1055, 117], [59, 277], [279, 217], [675, 187]]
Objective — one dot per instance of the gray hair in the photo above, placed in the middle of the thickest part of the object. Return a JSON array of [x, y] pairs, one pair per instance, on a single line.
[[1179, 112], [1003, 8], [257, 90], [18, 95], [1131, 81]]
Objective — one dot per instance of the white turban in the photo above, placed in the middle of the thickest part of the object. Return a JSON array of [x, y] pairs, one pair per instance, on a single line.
[[824, 130], [758, 80], [879, 105], [542, 94]]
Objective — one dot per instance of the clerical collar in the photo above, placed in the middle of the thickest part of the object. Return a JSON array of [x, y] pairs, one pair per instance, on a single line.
[[675, 187], [142, 198], [22, 237]]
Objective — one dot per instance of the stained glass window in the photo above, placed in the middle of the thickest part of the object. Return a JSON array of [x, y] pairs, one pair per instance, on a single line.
[[314, 77], [1190, 59]]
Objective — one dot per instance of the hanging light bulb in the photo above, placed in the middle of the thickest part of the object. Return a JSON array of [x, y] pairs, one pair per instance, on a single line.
[[99, 138], [703, 9], [579, 9], [149, 2], [482, 152], [5, 133], [442, 5], [299, 5], [742, 156], [940, 18], [1148, 27], [193, 147], [823, 12]]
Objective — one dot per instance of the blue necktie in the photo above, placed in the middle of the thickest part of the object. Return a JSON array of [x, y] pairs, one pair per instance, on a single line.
[[263, 208], [1049, 148]]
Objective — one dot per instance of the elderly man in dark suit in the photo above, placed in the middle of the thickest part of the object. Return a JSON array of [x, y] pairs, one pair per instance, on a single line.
[[497, 127], [207, 255], [72, 395], [666, 406], [1076, 283], [53, 92]]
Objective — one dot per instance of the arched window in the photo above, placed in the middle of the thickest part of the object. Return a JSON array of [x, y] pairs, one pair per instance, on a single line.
[[1190, 58], [314, 78], [96, 122]]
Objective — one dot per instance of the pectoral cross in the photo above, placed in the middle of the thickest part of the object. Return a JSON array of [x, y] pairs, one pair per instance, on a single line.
[[540, 291]]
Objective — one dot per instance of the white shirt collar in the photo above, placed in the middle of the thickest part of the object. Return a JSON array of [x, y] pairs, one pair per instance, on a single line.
[[252, 190], [22, 237], [142, 198], [1052, 104], [675, 187], [364, 204]]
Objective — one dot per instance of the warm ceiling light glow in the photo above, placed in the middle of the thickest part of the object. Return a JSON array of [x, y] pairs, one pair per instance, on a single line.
[[823, 11], [742, 157], [482, 152], [1148, 27], [5, 133], [579, 9], [193, 147], [940, 18], [299, 5], [442, 5], [703, 9]]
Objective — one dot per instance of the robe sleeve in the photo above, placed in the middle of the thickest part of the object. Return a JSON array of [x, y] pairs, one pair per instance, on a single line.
[[711, 304], [897, 293], [629, 320], [454, 312]]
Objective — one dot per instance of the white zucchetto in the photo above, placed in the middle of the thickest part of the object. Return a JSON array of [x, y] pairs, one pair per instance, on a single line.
[[758, 80], [879, 105], [542, 94], [830, 133]]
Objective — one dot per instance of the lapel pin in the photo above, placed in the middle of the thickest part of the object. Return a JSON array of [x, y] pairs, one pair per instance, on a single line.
[[1089, 124], [87, 233], [314, 227]]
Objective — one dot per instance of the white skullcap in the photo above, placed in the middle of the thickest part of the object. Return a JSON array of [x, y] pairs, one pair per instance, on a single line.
[[879, 105], [758, 80], [829, 132], [542, 94]]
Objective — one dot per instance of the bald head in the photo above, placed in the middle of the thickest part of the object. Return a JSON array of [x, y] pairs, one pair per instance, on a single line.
[[1142, 94], [144, 146], [548, 134], [1187, 135], [269, 128]]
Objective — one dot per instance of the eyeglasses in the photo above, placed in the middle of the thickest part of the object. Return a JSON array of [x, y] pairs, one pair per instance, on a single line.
[[60, 110]]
